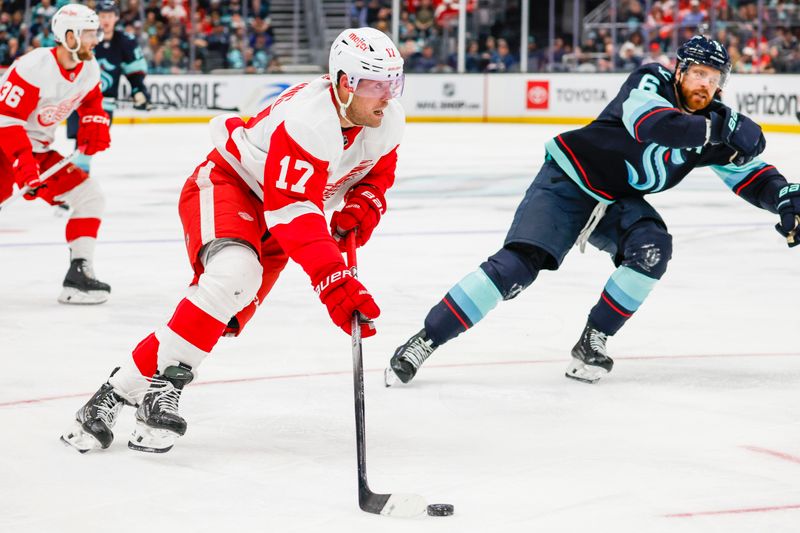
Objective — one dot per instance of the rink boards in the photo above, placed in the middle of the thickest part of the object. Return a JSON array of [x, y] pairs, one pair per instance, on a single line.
[[771, 100]]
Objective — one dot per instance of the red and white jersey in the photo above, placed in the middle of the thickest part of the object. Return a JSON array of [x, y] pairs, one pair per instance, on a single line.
[[295, 156], [37, 94]]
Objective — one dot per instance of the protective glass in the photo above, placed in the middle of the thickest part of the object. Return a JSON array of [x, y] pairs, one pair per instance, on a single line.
[[713, 78], [380, 88]]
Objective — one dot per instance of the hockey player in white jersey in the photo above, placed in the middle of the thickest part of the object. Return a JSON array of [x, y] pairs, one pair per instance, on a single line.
[[257, 201], [37, 92]]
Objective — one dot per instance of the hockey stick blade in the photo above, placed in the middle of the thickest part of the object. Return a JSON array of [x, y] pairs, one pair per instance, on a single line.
[[394, 505]]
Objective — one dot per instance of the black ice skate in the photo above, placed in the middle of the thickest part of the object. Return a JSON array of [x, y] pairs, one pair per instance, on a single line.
[[94, 421], [158, 423], [590, 362], [81, 287], [408, 358]]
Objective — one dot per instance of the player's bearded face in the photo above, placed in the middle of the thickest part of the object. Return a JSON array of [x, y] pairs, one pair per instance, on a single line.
[[369, 101], [698, 85], [366, 111], [89, 40]]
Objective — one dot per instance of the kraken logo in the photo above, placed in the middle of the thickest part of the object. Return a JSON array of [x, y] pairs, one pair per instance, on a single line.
[[654, 163]]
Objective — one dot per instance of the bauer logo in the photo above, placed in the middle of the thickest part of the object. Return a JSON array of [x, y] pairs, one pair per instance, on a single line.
[[538, 95]]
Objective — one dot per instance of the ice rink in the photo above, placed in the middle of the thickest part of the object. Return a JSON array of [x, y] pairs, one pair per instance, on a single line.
[[696, 429]]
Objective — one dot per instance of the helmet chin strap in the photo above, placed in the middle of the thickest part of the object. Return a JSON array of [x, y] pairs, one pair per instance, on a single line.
[[74, 52], [343, 107]]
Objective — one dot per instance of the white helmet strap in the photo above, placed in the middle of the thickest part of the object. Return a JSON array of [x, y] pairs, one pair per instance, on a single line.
[[73, 51], [342, 106]]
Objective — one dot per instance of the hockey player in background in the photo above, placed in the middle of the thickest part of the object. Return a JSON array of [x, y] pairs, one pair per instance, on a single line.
[[591, 187], [257, 201], [37, 92], [117, 54]]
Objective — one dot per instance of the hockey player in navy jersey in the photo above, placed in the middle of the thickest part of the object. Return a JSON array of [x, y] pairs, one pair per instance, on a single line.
[[117, 54], [591, 187]]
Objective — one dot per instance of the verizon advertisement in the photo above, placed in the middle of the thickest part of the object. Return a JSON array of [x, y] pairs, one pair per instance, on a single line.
[[767, 99]]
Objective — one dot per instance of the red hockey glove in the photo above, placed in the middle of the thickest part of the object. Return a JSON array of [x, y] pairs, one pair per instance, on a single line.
[[93, 135], [342, 294], [26, 173], [363, 208]]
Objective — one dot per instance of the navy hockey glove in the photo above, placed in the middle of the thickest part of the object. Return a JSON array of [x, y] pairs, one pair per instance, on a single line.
[[738, 132], [788, 206]]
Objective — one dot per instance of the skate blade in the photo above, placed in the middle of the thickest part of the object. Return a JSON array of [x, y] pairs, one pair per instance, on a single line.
[[80, 440], [151, 440], [74, 296], [580, 371], [389, 377]]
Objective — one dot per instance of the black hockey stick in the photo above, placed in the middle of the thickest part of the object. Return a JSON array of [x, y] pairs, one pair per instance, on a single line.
[[173, 105], [398, 505]]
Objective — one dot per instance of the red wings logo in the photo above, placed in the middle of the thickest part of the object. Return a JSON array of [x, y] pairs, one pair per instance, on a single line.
[[357, 171], [54, 114]]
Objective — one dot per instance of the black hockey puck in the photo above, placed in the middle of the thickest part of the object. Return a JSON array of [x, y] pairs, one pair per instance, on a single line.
[[440, 509]]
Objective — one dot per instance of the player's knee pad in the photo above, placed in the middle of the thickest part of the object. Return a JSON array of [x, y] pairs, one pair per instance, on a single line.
[[230, 280], [511, 270], [87, 200], [647, 249]]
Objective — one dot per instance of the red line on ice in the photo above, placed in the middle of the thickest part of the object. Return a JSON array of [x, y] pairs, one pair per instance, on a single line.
[[43, 399], [736, 511], [774, 453]]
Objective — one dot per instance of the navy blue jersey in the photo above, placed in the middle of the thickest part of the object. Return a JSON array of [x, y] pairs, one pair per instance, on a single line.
[[120, 55], [642, 143]]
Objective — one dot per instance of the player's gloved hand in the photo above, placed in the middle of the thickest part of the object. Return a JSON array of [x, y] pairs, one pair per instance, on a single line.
[[26, 174], [363, 208], [343, 294], [788, 204], [93, 135], [141, 102], [737, 131]]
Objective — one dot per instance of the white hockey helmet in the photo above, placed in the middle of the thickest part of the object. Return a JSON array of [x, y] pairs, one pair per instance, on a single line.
[[76, 18], [366, 53]]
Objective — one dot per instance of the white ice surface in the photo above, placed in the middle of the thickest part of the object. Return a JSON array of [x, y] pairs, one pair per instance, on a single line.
[[700, 414]]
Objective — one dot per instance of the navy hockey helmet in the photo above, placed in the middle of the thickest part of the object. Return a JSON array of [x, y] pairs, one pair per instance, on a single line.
[[700, 50], [106, 6]]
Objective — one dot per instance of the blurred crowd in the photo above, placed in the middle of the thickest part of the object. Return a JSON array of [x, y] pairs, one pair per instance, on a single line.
[[238, 34], [230, 35]]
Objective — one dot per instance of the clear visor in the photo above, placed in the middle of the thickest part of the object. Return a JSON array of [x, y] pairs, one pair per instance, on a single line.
[[380, 88], [89, 36]]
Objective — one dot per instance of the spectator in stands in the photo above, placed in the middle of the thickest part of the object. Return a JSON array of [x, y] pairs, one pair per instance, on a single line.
[[425, 61], [657, 55], [631, 12], [174, 11], [11, 53], [746, 62], [424, 19], [358, 14], [627, 60], [261, 55], [274, 66], [472, 57], [694, 16], [45, 36], [45, 9], [502, 60]]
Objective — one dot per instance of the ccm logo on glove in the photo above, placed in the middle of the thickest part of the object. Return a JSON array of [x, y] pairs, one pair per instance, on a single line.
[[95, 119]]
